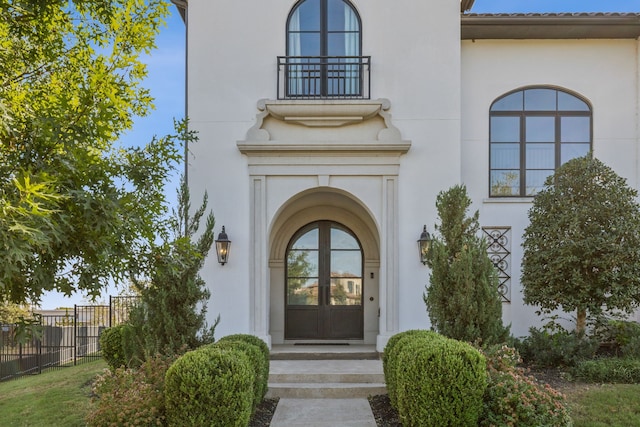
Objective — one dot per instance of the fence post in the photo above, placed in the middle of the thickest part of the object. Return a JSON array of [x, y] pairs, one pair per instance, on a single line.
[[75, 333], [39, 344]]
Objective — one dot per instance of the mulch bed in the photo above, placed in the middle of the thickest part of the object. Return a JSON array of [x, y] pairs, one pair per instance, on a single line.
[[264, 413], [386, 416]]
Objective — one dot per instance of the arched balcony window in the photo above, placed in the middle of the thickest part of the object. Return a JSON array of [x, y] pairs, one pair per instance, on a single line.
[[324, 46]]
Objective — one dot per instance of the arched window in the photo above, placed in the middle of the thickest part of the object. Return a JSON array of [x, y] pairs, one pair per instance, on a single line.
[[323, 50], [533, 131]]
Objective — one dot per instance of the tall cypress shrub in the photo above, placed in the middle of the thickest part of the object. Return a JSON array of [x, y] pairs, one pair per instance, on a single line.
[[462, 297], [170, 317]]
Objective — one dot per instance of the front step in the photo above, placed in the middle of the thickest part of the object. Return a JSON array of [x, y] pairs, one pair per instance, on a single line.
[[324, 352], [325, 379], [325, 390]]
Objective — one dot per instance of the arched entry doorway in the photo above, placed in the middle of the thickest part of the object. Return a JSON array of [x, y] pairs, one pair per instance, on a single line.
[[323, 222], [324, 284]]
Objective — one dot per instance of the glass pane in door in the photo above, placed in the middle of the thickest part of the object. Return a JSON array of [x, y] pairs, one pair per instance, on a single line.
[[346, 291], [302, 292], [346, 269], [302, 270]]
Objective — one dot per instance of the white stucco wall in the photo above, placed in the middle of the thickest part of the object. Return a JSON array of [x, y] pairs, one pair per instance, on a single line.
[[415, 52], [439, 90], [605, 72]]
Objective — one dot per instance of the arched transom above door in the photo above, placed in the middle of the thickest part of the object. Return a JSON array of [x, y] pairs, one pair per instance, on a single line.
[[324, 204]]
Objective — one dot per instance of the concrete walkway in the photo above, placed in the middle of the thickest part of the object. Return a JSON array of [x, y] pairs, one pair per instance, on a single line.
[[323, 413], [324, 386]]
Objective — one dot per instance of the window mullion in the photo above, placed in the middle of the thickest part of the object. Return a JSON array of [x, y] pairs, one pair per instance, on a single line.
[[324, 42], [523, 156], [558, 140]]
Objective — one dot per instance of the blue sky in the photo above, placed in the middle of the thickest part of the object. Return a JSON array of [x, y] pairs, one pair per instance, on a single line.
[[166, 81]]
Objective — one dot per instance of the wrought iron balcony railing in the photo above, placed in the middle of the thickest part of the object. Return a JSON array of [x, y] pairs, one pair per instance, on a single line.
[[324, 77]]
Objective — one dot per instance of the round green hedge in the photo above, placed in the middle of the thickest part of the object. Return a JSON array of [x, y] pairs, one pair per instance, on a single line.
[[210, 386], [258, 364], [112, 348], [253, 340], [440, 382], [390, 357]]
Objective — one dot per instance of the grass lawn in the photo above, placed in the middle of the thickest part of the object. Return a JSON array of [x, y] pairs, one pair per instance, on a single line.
[[55, 398], [62, 398], [607, 405]]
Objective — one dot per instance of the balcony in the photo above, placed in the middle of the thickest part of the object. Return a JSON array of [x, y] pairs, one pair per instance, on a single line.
[[324, 77]]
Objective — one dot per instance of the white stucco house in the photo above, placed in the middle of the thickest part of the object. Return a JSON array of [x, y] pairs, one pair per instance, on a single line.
[[328, 127]]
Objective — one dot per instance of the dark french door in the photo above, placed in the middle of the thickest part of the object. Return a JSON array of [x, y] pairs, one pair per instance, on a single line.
[[324, 283]]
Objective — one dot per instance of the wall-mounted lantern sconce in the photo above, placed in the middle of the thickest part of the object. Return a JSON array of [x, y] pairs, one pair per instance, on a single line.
[[222, 247], [424, 244]]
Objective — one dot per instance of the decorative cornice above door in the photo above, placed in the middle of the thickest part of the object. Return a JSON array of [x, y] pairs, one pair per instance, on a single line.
[[323, 125]]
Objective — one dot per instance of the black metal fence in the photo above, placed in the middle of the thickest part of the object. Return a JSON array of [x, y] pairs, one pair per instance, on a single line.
[[59, 340], [119, 309]]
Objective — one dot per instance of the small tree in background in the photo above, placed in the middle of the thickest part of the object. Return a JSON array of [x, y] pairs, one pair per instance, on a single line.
[[582, 246], [170, 317], [462, 299], [11, 313]]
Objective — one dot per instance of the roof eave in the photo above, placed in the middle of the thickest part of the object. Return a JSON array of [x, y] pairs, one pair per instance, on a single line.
[[466, 5], [181, 5], [474, 27]]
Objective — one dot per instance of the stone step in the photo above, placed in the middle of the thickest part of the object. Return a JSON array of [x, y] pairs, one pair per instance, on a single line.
[[325, 356], [325, 390], [326, 371], [325, 379], [324, 352]]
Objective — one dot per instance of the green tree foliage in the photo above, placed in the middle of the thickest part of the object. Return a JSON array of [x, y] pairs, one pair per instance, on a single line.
[[170, 318], [582, 246], [462, 298], [11, 313], [75, 208]]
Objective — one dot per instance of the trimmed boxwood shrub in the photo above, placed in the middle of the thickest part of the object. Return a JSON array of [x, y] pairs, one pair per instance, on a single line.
[[209, 386], [251, 339], [440, 382], [390, 357], [258, 364], [112, 348], [264, 349]]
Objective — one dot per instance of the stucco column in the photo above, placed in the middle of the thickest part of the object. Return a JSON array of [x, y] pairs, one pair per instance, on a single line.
[[389, 309], [259, 282]]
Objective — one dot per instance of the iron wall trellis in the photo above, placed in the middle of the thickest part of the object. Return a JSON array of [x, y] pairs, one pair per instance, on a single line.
[[499, 251]]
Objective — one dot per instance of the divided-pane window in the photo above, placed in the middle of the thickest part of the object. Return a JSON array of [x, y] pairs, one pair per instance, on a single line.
[[323, 50], [531, 133]]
